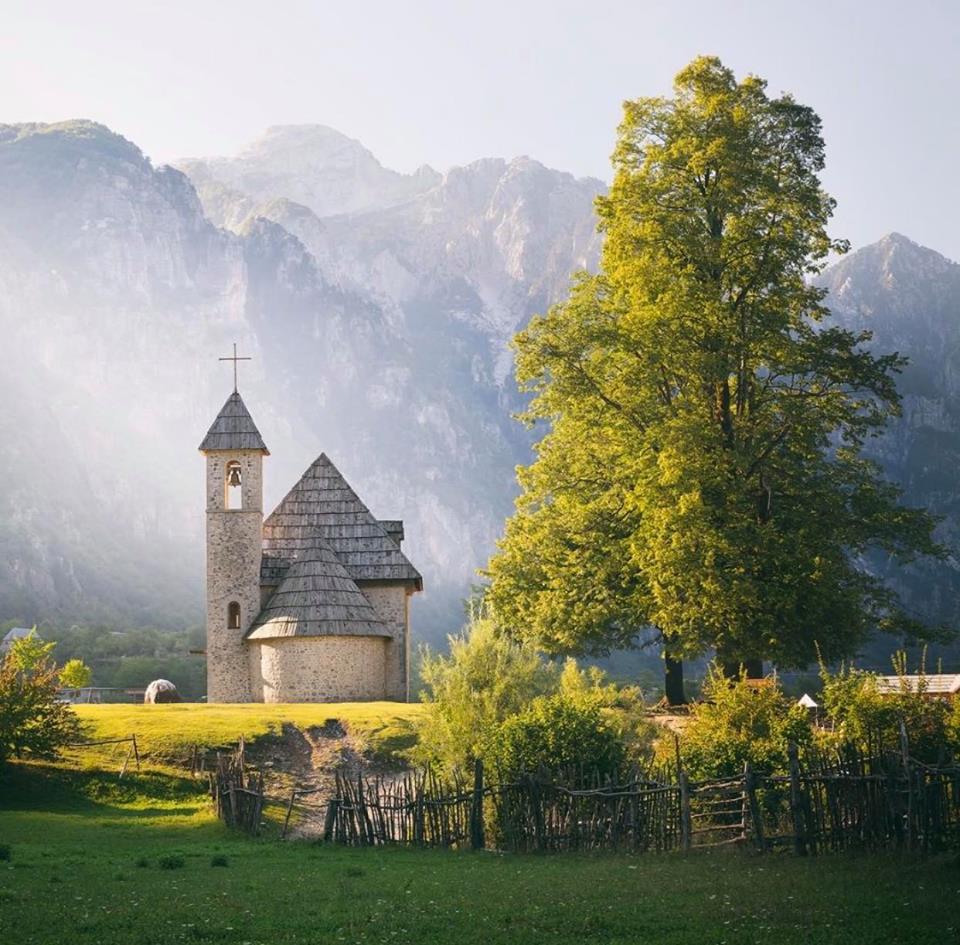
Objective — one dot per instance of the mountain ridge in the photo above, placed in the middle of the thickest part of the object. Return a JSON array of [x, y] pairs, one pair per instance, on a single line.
[[379, 336]]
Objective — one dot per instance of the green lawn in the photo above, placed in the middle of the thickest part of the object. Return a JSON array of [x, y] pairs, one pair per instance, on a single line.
[[85, 867]]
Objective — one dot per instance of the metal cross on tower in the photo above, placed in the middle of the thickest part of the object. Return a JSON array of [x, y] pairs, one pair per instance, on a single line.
[[235, 359]]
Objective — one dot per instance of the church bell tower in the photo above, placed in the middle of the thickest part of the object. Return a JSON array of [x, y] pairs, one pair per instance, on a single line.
[[234, 452]]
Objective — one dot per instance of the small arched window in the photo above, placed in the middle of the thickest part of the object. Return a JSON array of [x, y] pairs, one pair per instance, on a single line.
[[233, 486], [233, 615]]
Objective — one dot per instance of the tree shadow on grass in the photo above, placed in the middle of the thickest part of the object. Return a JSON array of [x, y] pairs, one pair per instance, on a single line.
[[34, 786]]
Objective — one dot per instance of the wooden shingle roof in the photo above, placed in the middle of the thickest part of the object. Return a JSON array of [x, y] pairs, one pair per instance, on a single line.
[[322, 507], [234, 429], [316, 598]]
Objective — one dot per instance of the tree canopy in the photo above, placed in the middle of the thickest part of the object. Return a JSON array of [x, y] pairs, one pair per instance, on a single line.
[[701, 470]]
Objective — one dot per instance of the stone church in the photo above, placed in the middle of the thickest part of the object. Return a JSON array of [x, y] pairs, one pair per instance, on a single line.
[[310, 604]]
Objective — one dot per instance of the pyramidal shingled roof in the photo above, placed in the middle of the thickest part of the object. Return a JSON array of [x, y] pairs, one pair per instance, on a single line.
[[234, 429], [317, 598], [322, 506]]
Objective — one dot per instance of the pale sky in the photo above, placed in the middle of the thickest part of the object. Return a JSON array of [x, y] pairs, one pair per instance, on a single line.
[[444, 83]]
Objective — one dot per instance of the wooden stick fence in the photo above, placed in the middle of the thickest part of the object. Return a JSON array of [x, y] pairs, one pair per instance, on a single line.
[[417, 808], [823, 805], [826, 802], [133, 751], [237, 794]]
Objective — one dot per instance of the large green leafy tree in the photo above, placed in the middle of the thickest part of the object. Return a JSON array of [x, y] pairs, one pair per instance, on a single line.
[[702, 469]]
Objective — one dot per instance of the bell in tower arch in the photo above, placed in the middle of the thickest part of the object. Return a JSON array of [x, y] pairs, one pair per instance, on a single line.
[[233, 474]]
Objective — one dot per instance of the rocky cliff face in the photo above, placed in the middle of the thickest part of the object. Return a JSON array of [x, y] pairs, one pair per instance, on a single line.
[[909, 297], [377, 308], [312, 165]]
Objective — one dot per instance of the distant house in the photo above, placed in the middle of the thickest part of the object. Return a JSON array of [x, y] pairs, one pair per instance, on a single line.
[[11, 636], [935, 686]]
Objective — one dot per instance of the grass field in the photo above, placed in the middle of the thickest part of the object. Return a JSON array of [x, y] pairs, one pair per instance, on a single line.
[[94, 860], [166, 732]]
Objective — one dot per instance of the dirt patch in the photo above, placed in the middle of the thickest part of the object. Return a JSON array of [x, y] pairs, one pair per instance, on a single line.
[[307, 760]]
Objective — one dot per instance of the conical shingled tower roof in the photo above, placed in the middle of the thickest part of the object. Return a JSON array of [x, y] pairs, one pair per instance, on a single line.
[[234, 429], [322, 505], [317, 598]]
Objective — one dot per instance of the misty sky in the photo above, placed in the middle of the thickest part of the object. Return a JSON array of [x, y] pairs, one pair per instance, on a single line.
[[444, 83]]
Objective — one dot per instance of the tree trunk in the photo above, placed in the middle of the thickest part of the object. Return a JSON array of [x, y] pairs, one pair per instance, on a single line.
[[731, 668], [673, 680]]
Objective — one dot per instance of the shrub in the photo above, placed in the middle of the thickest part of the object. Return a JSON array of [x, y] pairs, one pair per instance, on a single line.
[[739, 723], [32, 720], [172, 861], [555, 733], [489, 678], [218, 859], [623, 707], [865, 717], [142, 862], [5, 852], [486, 678]]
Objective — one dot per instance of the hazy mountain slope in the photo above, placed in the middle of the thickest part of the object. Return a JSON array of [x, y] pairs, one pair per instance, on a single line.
[[119, 286], [108, 270], [909, 297], [452, 272]]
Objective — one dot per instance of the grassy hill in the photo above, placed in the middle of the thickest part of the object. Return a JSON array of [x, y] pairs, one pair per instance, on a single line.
[[167, 733]]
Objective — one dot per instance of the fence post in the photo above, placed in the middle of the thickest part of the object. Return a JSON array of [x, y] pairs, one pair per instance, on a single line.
[[796, 802], [286, 820], [126, 761], [750, 789], [536, 807], [686, 819], [330, 821], [477, 839], [136, 752], [419, 818], [908, 777]]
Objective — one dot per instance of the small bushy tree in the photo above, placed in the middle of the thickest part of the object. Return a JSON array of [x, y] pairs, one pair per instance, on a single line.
[[557, 734], [623, 707], [75, 674], [485, 678], [32, 720], [738, 723], [489, 678]]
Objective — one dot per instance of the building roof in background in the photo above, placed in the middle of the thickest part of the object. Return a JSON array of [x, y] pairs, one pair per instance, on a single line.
[[234, 429], [13, 634], [937, 684], [323, 509], [316, 597]]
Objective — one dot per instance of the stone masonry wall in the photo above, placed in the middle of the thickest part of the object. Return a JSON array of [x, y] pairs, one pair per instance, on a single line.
[[234, 542], [320, 669], [391, 603]]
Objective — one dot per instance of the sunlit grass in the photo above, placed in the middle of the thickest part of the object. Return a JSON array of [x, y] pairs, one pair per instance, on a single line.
[[167, 733]]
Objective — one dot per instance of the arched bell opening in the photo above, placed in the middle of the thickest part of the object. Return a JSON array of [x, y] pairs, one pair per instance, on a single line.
[[233, 486]]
